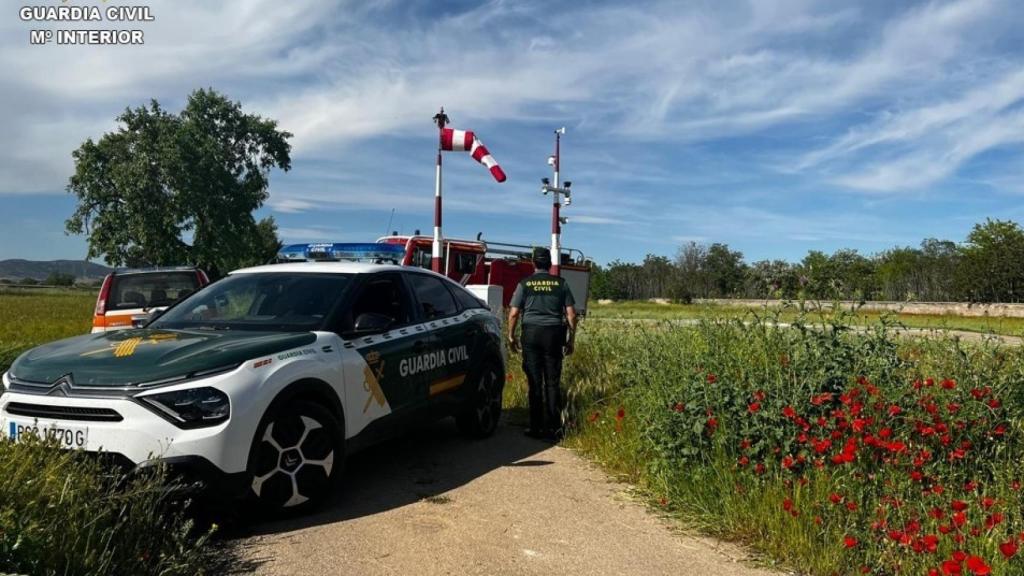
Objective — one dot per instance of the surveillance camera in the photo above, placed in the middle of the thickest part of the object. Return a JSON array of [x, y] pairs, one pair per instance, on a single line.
[[563, 219], [568, 184], [545, 181]]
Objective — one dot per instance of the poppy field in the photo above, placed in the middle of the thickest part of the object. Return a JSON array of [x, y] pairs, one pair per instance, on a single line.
[[828, 451]]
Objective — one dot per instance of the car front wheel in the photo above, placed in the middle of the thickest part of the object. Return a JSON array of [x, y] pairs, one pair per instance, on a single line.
[[297, 457]]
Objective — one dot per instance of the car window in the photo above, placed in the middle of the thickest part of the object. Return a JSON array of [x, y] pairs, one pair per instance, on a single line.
[[268, 301], [465, 299], [150, 289], [383, 295], [435, 300]]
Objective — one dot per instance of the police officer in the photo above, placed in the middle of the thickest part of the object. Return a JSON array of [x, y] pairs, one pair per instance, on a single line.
[[547, 308]]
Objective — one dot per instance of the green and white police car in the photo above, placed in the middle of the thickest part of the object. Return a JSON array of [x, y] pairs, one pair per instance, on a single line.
[[259, 384]]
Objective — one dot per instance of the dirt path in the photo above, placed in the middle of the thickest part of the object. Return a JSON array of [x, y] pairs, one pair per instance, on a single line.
[[434, 503]]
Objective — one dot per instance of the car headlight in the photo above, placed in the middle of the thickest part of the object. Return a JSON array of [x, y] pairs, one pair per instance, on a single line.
[[192, 408]]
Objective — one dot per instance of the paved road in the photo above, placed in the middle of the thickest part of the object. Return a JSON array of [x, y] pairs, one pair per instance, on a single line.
[[434, 503]]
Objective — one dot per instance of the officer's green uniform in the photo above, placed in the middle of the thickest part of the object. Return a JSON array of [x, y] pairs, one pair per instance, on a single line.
[[543, 299]]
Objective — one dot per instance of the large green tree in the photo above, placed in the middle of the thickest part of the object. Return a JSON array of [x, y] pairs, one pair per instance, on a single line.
[[167, 189], [990, 268]]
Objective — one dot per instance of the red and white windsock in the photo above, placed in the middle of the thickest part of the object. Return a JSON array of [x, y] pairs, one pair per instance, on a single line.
[[465, 141]]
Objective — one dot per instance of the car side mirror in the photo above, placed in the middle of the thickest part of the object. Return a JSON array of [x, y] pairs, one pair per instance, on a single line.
[[372, 323]]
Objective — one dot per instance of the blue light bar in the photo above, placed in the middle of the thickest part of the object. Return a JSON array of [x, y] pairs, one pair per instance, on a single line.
[[343, 251]]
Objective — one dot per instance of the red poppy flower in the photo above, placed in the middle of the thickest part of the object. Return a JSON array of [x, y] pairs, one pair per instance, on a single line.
[[959, 519], [849, 541], [930, 542], [958, 505], [987, 502], [753, 407], [679, 407], [851, 506], [978, 567], [1009, 548], [759, 468], [994, 403], [789, 412], [835, 498], [959, 555], [711, 378], [993, 520], [787, 504], [950, 568], [949, 384], [743, 461], [712, 423]]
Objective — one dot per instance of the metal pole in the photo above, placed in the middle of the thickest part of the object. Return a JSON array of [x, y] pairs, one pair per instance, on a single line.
[[435, 260], [556, 225]]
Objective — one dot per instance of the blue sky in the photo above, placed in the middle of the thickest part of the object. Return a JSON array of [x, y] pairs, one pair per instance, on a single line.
[[776, 126]]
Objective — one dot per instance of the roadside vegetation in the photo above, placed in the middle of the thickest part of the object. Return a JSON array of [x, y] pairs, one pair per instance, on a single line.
[[828, 451], [63, 513]]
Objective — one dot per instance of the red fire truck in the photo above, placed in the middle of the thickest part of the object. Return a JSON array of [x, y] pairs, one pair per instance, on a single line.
[[482, 265]]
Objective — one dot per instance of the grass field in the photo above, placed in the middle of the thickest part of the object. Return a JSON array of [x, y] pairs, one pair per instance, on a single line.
[[31, 317], [653, 311]]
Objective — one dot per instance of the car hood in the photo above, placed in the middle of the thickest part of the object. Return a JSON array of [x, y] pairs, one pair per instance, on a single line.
[[128, 357]]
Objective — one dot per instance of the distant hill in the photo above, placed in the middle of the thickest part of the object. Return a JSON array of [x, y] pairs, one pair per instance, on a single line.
[[39, 270]]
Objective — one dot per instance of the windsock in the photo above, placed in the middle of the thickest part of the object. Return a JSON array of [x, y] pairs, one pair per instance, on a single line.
[[465, 141]]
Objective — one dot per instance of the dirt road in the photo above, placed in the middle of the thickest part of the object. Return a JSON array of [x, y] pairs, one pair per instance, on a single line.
[[435, 503]]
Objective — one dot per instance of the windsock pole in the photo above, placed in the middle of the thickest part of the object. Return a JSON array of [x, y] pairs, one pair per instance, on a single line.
[[435, 256], [556, 224]]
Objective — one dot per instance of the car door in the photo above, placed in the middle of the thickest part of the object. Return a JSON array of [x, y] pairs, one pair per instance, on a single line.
[[390, 374], [439, 309]]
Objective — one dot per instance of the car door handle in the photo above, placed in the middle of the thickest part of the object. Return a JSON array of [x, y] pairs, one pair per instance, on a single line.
[[419, 346]]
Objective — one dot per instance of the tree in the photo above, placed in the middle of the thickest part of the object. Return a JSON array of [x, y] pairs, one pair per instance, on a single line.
[[724, 271], [60, 279], [990, 269], [169, 189]]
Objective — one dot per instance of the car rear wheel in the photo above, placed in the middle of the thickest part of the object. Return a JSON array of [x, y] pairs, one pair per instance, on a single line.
[[480, 418], [297, 457]]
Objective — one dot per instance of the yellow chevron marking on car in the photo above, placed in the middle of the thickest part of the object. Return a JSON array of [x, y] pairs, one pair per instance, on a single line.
[[127, 347], [373, 370], [445, 385]]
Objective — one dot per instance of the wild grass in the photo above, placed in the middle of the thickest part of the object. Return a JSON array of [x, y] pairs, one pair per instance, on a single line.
[[62, 513]]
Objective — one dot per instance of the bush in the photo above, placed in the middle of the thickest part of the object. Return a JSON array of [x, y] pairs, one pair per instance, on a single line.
[[832, 450], [63, 513]]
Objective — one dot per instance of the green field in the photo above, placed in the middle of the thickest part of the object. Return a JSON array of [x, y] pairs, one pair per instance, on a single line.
[[654, 311], [29, 317]]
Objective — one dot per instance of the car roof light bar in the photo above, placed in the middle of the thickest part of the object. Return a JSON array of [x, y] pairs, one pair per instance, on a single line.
[[342, 251]]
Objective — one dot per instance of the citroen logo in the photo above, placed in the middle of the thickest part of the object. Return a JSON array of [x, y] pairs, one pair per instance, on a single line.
[[62, 386]]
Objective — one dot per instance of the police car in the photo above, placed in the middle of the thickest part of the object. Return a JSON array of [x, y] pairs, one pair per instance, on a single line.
[[259, 384]]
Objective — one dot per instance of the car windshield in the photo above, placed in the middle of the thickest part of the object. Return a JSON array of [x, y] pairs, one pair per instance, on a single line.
[[267, 301]]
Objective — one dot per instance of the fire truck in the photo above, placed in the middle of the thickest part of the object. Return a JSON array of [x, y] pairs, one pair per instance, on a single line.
[[492, 270]]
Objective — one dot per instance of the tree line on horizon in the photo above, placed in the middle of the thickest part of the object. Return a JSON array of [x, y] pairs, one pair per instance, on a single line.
[[988, 266]]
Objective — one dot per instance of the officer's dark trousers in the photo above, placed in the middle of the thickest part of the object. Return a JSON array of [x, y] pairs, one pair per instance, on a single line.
[[542, 362]]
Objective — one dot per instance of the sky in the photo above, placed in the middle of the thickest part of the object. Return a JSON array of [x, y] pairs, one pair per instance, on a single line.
[[775, 126]]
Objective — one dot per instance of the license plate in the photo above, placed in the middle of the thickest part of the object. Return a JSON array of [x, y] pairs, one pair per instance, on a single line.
[[64, 436]]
